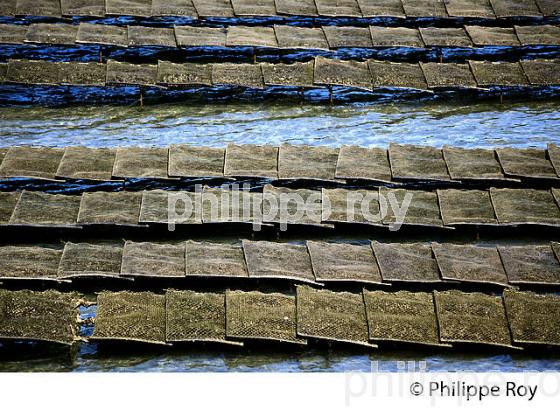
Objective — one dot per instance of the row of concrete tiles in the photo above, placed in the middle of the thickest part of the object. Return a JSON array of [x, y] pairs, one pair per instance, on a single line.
[[270, 8], [439, 319], [445, 208], [384, 207], [279, 36], [314, 262], [398, 163], [318, 73]]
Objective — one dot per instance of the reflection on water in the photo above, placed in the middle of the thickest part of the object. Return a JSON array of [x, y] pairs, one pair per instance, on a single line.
[[481, 124], [215, 359]]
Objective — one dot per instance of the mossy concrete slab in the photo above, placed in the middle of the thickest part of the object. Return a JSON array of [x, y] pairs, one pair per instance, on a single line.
[[332, 316], [29, 262], [533, 319], [406, 317], [196, 317], [31, 162], [530, 265], [39, 316], [37, 209], [466, 207], [406, 262], [261, 316], [188, 161], [153, 260], [343, 262], [90, 260], [131, 317], [214, 259], [274, 260], [472, 164], [470, 264], [307, 162], [525, 206], [251, 161], [94, 164], [110, 208], [472, 318]]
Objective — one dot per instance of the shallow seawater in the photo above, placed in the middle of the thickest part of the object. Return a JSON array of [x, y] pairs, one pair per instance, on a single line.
[[213, 359], [463, 123]]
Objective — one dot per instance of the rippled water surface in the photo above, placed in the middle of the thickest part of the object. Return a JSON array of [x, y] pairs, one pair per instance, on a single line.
[[484, 124], [308, 360], [462, 124]]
